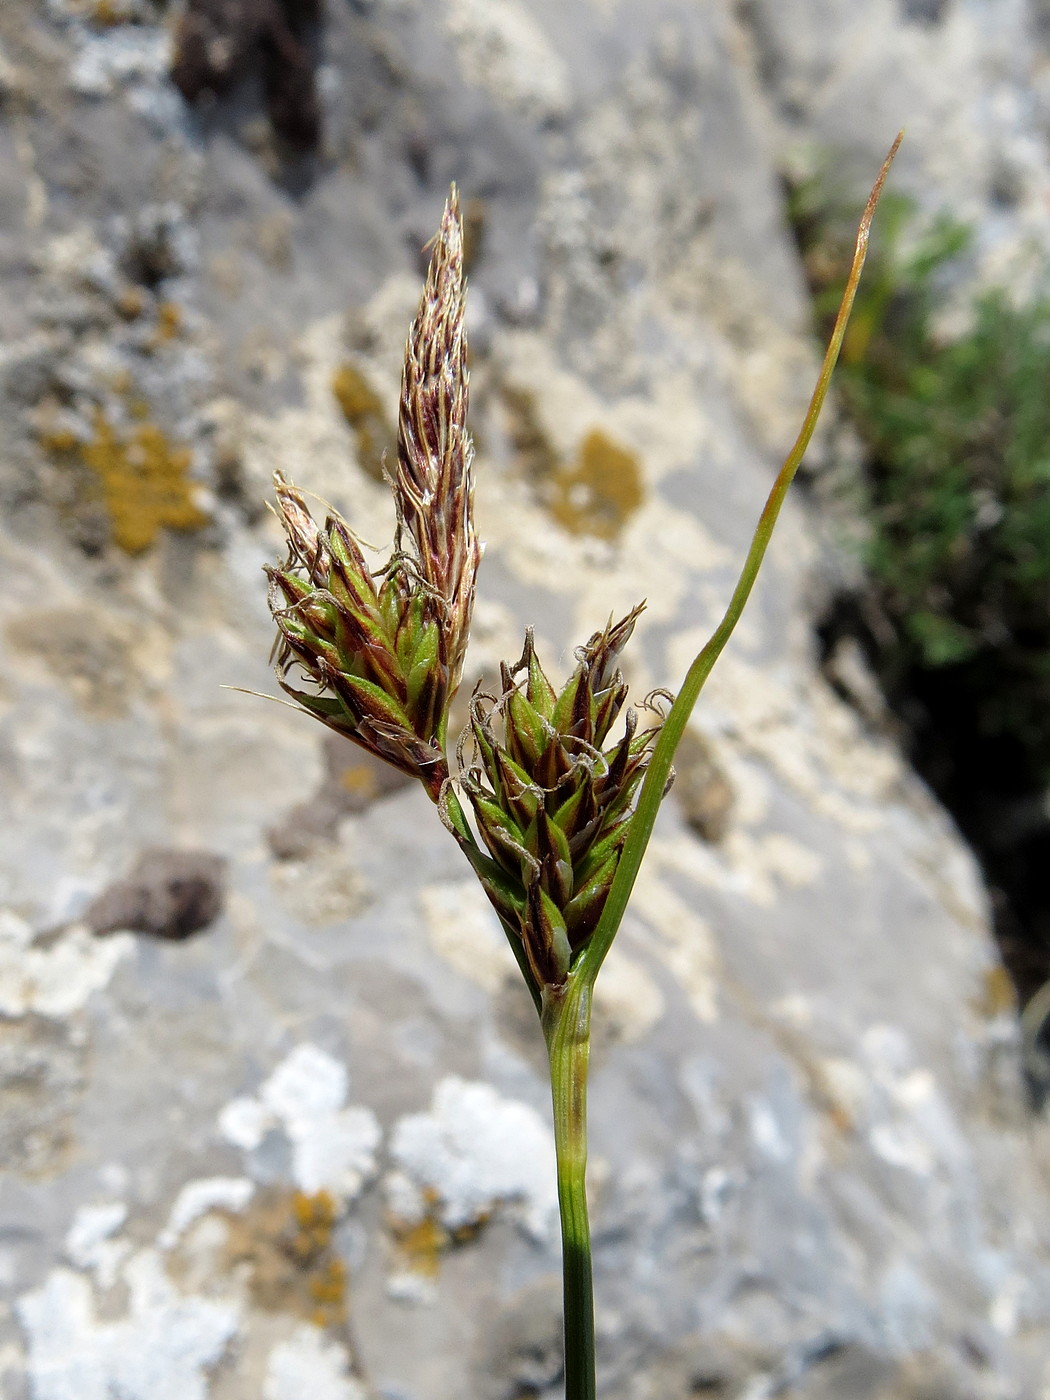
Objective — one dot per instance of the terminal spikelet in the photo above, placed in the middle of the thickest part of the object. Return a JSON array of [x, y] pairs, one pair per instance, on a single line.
[[385, 649], [434, 482]]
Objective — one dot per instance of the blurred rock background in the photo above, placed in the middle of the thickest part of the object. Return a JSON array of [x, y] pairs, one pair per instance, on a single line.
[[274, 1116]]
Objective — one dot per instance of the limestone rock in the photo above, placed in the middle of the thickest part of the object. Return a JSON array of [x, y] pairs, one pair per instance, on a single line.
[[812, 1165]]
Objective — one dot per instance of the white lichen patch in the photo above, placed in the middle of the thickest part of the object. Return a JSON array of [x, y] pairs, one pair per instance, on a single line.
[[473, 1153], [463, 928], [502, 49], [162, 1350], [118, 57], [310, 1364], [333, 1146], [57, 979], [197, 1198], [245, 1122], [90, 1244]]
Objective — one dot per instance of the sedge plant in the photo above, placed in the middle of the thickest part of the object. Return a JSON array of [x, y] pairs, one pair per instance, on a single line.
[[551, 800]]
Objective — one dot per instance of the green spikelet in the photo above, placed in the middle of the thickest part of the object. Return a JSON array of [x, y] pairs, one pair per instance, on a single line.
[[550, 801], [381, 667]]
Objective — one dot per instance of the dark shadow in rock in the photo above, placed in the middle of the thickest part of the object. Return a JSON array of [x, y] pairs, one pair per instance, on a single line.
[[353, 780], [838, 1369], [521, 1354], [220, 44], [927, 12], [169, 894], [701, 788]]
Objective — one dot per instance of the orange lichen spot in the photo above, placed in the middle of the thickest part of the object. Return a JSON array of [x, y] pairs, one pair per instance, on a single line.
[[131, 303], [314, 1212], [109, 12], [282, 1246], [998, 996], [363, 410], [145, 482], [595, 492], [360, 781], [315, 1218], [421, 1243], [169, 321], [599, 492], [59, 441], [421, 1246], [327, 1287]]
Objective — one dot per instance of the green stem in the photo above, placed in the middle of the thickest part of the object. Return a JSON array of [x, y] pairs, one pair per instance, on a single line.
[[567, 1030], [659, 770]]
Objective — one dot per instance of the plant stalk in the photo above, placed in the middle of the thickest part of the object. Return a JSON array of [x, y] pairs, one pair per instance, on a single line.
[[567, 1030], [658, 771]]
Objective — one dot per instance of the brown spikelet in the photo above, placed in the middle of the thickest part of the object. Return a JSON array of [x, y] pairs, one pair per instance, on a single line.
[[384, 650], [434, 483]]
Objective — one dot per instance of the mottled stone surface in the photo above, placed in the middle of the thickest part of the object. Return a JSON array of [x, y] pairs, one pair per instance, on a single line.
[[305, 1151]]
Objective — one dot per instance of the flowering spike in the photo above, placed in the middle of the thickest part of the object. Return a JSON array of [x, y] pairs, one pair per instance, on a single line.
[[434, 482], [551, 805], [386, 649]]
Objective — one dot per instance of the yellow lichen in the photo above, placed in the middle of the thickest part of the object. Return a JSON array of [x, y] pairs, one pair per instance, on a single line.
[[421, 1243], [600, 491], [169, 321], [363, 410], [998, 996], [360, 781], [421, 1246], [314, 1217], [145, 482], [283, 1245], [595, 492], [107, 13], [131, 302]]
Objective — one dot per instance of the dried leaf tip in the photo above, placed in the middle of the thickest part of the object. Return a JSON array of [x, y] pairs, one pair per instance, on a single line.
[[434, 482]]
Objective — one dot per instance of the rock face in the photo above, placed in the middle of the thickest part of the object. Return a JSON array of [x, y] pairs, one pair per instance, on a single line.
[[302, 1146]]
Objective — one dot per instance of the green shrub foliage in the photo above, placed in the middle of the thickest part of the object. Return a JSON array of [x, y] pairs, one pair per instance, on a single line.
[[957, 426]]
